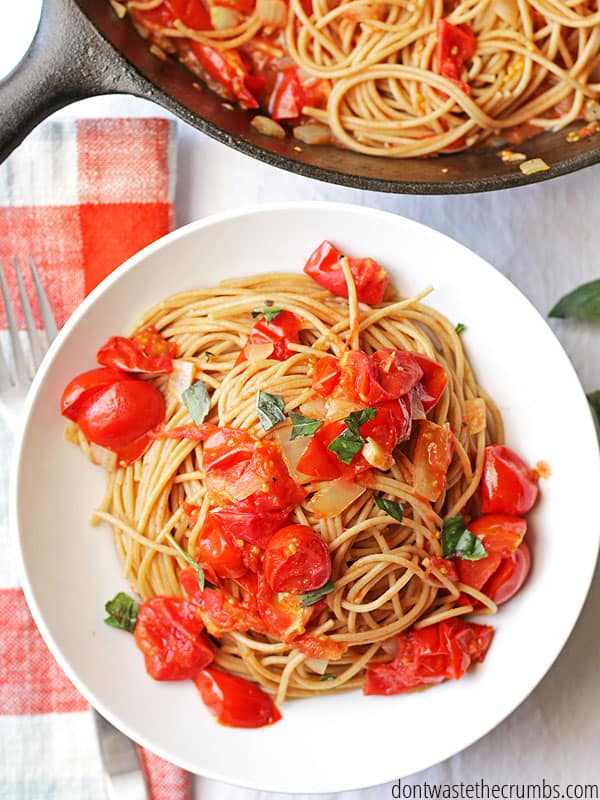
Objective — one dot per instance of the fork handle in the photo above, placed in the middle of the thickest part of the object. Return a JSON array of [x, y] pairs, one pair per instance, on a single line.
[[68, 60]]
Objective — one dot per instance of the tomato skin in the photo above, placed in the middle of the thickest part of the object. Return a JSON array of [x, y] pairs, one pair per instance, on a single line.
[[510, 576], [455, 46], [145, 352], [320, 647], [284, 329], [81, 388], [120, 413], [429, 656], [508, 486], [433, 453], [248, 521], [296, 560], [168, 632], [218, 551], [434, 381], [399, 371], [191, 12], [235, 701], [501, 534], [443, 565], [228, 69], [370, 278], [326, 375], [288, 98], [281, 612]]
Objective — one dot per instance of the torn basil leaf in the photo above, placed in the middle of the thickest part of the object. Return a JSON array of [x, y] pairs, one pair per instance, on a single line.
[[460, 328], [269, 313], [582, 303], [458, 541], [357, 418], [391, 507], [303, 426], [270, 410], [197, 401], [349, 442], [122, 612], [310, 598]]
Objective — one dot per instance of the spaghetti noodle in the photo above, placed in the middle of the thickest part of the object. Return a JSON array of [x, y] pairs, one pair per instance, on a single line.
[[381, 517], [396, 78]]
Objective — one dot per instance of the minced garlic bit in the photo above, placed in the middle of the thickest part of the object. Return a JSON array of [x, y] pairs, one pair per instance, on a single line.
[[509, 156], [268, 127], [583, 133], [533, 165]]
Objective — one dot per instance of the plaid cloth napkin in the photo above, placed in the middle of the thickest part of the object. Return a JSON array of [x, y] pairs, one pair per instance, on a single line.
[[80, 196]]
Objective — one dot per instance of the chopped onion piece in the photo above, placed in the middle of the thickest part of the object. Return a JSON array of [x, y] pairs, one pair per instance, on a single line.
[[475, 416], [337, 408], [314, 408], [258, 352], [377, 456], [591, 111], [533, 165], [107, 459], [318, 665], [291, 450], [417, 410], [390, 646], [182, 376], [312, 133], [334, 498], [272, 12], [222, 18], [268, 127]]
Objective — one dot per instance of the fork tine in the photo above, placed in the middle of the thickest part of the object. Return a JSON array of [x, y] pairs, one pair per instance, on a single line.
[[5, 379], [19, 359], [34, 339], [45, 308]]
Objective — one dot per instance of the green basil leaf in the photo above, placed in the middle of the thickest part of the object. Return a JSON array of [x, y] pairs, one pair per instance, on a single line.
[[346, 445], [122, 612], [460, 328], [270, 409], [269, 313], [581, 303], [303, 426], [197, 401], [391, 508], [594, 401], [458, 541], [202, 582], [310, 598], [327, 677], [357, 418]]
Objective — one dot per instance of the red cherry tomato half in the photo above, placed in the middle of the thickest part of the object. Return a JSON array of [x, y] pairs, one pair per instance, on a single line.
[[320, 647], [510, 576], [283, 329], [455, 46], [168, 632], [501, 534], [235, 701], [191, 12], [85, 385], [429, 656], [254, 520], [433, 382], [296, 560], [508, 485], [281, 612], [229, 70], [398, 371], [147, 351], [370, 279], [326, 375], [120, 413], [218, 551], [432, 457]]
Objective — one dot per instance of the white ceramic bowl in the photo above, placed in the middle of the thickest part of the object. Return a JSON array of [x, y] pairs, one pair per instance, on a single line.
[[345, 741]]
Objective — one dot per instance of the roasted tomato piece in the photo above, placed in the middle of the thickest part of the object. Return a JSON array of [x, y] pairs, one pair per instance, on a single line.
[[432, 457], [320, 647], [510, 575], [433, 382], [284, 329], [229, 70], [191, 12], [218, 551], [399, 371], [326, 375], [147, 351], [429, 656], [168, 631], [323, 266], [89, 383], [281, 612], [296, 560], [443, 565], [253, 520], [455, 46], [508, 485], [319, 462], [235, 701]]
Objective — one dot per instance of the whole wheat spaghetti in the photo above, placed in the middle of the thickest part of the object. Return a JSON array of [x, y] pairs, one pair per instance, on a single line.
[[396, 78]]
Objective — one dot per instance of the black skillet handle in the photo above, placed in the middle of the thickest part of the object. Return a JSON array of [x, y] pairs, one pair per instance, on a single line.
[[67, 61]]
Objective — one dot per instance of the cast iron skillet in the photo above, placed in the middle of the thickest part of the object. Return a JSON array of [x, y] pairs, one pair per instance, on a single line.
[[82, 49]]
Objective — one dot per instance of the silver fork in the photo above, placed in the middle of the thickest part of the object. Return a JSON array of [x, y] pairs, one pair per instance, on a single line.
[[122, 769], [19, 366]]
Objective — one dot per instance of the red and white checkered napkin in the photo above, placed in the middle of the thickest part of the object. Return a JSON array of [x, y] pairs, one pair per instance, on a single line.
[[80, 196]]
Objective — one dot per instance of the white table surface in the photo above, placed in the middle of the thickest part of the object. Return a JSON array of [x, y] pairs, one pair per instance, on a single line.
[[546, 239]]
